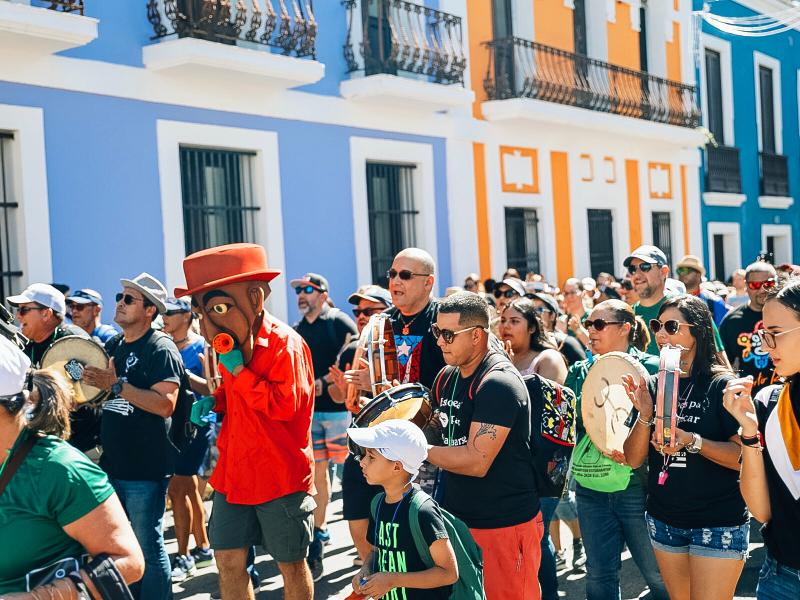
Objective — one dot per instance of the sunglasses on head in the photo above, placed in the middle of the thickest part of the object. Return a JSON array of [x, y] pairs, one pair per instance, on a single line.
[[672, 326], [644, 267], [770, 337], [24, 310], [405, 274], [505, 293], [599, 324], [367, 312], [449, 335], [305, 289], [128, 299], [766, 284]]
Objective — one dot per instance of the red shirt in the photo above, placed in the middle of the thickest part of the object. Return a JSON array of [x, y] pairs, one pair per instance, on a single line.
[[265, 441]]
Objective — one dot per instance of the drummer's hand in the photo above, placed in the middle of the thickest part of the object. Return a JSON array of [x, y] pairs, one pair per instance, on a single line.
[[682, 439], [640, 396], [617, 457], [738, 400], [359, 377], [509, 350], [102, 379]]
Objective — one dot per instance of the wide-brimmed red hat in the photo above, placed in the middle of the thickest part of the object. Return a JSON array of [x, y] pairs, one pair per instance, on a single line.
[[215, 267]]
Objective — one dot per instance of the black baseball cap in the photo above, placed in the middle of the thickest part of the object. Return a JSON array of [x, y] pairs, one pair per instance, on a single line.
[[648, 254], [312, 279], [372, 293]]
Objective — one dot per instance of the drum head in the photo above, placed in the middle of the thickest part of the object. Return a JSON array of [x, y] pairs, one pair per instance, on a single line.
[[604, 402], [69, 356]]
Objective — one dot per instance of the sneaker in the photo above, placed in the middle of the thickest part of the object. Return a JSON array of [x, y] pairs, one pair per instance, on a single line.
[[561, 559], [202, 556], [578, 555], [315, 554], [323, 534], [182, 567]]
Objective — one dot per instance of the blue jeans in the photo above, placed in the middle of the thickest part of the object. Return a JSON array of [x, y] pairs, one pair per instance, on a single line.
[[608, 520], [548, 578], [144, 503], [776, 582]]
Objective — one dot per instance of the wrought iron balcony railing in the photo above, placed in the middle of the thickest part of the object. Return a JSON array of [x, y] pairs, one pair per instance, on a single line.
[[285, 24], [774, 174], [402, 36], [723, 171], [523, 69], [75, 6]]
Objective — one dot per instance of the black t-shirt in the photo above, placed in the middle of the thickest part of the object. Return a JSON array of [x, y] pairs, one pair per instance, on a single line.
[[419, 358], [780, 533], [697, 492], [136, 443], [571, 348], [741, 336], [394, 550], [506, 495], [325, 337]]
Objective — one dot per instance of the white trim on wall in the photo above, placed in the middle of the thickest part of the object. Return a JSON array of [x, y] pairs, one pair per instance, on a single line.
[[723, 47], [760, 59], [783, 233], [364, 149], [731, 242], [28, 174], [266, 190]]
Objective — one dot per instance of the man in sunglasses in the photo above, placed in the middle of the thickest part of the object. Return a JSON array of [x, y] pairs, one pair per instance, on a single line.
[[485, 454], [85, 307], [648, 270], [741, 329], [327, 331], [691, 272]]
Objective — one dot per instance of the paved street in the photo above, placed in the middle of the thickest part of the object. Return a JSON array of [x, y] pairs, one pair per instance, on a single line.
[[339, 569]]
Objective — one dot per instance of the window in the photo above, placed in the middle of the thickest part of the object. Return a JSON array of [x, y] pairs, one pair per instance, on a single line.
[[10, 271], [715, 116], [767, 109], [392, 214], [724, 249], [522, 240], [662, 233], [601, 241], [218, 201], [579, 27], [501, 19]]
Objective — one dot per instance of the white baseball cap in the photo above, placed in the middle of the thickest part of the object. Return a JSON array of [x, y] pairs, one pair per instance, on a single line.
[[395, 439], [14, 367], [43, 294]]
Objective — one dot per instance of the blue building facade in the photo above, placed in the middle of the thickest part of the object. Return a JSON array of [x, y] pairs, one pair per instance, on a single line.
[[750, 178]]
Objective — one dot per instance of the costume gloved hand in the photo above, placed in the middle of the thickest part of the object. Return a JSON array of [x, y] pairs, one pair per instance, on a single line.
[[232, 359], [201, 410]]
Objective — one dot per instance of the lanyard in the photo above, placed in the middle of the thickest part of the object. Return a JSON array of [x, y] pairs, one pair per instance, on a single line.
[[450, 411], [662, 476], [377, 520]]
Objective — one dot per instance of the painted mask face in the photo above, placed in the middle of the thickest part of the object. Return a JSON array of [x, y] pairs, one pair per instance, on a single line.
[[236, 309]]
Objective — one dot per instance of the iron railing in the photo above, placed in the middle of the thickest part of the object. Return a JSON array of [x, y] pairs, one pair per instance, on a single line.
[[723, 172], [402, 36], [523, 69], [75, 6], [286, 24], [774, 174]]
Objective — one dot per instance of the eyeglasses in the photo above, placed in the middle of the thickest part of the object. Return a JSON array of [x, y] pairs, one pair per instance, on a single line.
[[685, 271], [505, 293], [766, 284], [405, 274], [24, 310], [449, 335], [128, 299], [600, 324], [367, 312], [73, 306], [671, 327], [305, 289], [644, 267], [770, 337]]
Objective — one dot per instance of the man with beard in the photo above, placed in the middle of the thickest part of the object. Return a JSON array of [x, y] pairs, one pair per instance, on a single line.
[[85, 307], [326, 330], [648, 269]]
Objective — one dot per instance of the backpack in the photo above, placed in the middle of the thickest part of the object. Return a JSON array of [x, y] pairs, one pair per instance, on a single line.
[[469, 556], [553, 417]]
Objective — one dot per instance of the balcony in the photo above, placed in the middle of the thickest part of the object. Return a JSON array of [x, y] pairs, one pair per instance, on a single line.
[[42, 27], [272, 40], [774, 170], [404, 53], [521, 69]]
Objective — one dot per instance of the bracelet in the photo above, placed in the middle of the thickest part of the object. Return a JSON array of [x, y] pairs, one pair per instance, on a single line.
[[643, 422], [751, 442]]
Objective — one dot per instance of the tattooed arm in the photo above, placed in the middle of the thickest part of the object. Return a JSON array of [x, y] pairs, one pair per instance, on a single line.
[[476, 456]]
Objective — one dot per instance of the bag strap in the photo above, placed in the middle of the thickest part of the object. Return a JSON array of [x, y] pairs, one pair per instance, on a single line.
[[16, 460], [418, 498]]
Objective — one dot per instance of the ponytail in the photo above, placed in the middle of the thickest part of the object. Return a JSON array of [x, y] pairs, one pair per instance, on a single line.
[[640, 335], [52, 400]]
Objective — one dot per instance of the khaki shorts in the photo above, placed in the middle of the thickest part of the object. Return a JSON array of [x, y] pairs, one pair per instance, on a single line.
[[284, 526]]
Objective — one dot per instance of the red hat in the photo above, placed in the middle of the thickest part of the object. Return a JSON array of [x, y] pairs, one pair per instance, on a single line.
[[221, 265]]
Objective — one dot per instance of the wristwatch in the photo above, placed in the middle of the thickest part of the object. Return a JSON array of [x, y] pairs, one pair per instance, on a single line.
[[116, 387], [696, 445]]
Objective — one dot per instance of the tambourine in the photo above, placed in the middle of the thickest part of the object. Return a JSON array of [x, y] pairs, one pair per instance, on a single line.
[[69, 356], [605, 404], [669, 372], [375, 345]]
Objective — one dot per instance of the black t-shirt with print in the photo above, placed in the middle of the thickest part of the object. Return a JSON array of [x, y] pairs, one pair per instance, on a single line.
[[506, 495], [325, 337], [697, 491], [419, 357], [741, 335], [394, 550], [136, 443]]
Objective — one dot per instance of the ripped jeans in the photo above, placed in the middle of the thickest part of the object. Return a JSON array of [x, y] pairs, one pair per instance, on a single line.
[[712, 542]]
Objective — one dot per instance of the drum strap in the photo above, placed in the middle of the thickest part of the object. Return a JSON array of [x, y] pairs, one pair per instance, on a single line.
[[17, 459]]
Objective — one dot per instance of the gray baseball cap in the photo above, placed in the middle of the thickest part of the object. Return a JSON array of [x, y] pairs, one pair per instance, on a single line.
[[648, 254]]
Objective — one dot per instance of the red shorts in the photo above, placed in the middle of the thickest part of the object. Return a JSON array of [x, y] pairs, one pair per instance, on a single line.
[[511, 557]]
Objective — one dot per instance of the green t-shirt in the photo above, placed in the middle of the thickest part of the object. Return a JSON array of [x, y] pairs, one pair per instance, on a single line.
[[55, 486], [651, 312]]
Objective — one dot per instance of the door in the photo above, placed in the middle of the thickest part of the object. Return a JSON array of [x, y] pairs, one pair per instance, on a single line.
[[503, 34], [767, 110], [662, 233], [719, 257], [601, 241]]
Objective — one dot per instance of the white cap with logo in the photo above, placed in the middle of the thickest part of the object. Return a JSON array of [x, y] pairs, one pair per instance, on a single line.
[[395, 439], [43, 294]]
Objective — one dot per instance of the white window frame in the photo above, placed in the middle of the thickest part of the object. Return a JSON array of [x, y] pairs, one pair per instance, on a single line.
[[764, 60], [266, 191], [723, 47], [784, 231], [28, 183], [733, 260]]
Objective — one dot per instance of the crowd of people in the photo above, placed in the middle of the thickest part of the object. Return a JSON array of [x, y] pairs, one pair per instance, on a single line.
[[205, 381]]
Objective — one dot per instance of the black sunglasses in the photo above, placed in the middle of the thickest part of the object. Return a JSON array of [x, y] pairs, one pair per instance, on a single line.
[[128, 299], [305, 289], [671, 326], [24, 310], [367, 312], [541, 310], [172, 313], [644, 267], [449, 335], [505, 293], [405, 274], [600, 324]]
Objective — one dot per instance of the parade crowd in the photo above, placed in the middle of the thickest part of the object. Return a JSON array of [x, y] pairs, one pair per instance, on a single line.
[[456, 471]]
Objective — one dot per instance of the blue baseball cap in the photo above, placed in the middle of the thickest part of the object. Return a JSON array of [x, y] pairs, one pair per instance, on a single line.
[[177, 305], [86, 296]]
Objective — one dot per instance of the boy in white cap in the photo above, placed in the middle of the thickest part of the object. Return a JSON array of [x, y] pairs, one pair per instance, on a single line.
[[393, 453]]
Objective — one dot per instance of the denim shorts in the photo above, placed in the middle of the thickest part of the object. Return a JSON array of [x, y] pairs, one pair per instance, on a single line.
[[777, 582], [711, 542]]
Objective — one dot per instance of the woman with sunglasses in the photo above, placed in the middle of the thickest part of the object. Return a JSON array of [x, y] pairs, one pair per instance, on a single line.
[[608, 520], [770, 437], [696, 515], [527, 343]]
